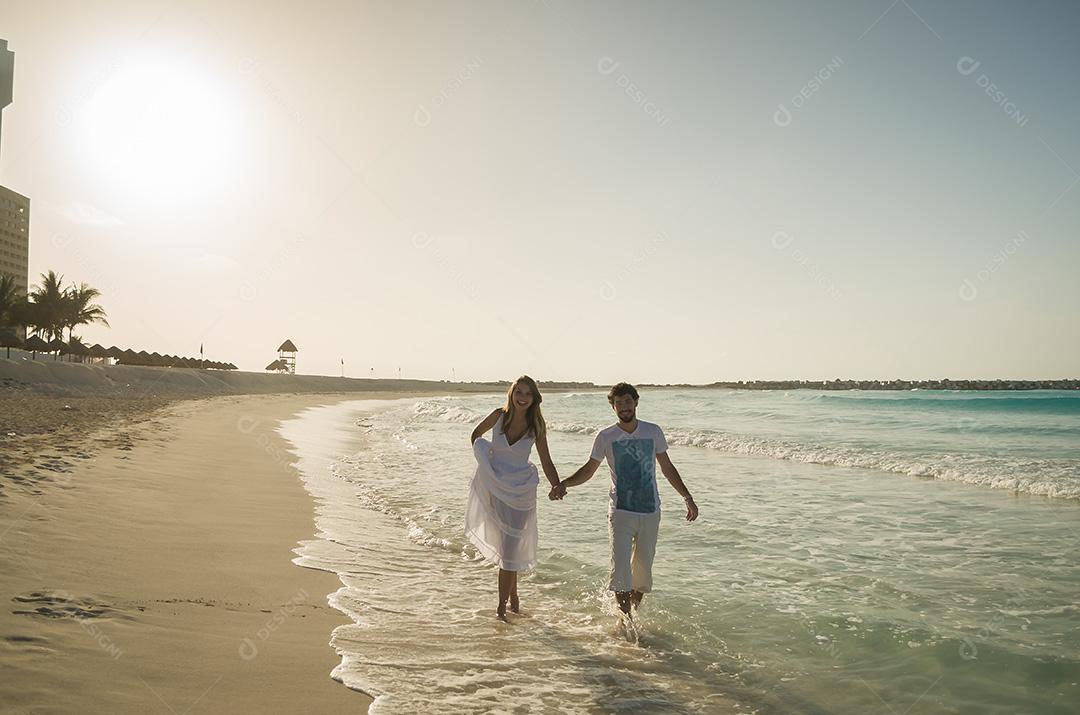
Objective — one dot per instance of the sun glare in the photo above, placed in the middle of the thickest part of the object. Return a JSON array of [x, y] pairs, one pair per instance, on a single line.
[[159, 132]]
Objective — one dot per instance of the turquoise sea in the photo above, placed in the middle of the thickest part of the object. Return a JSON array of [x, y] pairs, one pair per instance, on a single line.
[[858, 552]]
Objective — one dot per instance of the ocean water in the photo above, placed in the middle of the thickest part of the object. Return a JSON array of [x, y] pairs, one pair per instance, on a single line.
[[857, 552]]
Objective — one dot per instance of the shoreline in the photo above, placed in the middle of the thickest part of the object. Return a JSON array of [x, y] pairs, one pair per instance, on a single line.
[[319, 437], [59, 377], [56, 377], [142, 567]]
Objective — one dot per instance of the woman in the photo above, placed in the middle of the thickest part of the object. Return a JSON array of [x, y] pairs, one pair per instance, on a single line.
[[500, 518]]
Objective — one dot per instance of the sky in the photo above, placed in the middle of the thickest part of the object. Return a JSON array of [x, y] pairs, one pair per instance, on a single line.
[[650, 192]]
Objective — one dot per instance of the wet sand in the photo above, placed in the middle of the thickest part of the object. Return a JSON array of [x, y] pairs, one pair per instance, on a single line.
[[145, 560]]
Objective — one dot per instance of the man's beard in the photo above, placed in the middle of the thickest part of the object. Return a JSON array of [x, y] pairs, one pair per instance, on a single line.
[[626, 419]]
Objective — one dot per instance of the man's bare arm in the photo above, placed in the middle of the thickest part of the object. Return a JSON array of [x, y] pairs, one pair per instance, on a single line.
[[581, 476], [675, 479]]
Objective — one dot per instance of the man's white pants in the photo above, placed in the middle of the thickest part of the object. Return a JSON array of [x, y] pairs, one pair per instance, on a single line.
[[633, 546]]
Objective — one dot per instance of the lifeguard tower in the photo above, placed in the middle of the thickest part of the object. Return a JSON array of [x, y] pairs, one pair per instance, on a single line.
[[287, 355]]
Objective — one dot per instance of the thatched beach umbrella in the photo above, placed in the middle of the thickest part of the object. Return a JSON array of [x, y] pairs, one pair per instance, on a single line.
[[75, 347], [129, 357], [9, 340], [97, 352], [57, 346], [114, 352], [35, 345]]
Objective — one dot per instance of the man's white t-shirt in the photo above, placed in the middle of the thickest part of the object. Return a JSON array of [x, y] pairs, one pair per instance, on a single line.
[[631, 459]]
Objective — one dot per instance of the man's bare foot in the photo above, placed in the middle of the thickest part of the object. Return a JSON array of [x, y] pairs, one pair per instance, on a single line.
[[626, 629]]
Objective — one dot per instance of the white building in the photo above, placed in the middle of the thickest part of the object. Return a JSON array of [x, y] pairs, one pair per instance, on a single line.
[[14, 207]]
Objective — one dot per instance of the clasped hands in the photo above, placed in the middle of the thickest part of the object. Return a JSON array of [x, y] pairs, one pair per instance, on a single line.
[[557, 492]]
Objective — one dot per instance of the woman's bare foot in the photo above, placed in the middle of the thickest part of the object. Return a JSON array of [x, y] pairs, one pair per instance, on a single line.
[[515, 605], [501, 612]]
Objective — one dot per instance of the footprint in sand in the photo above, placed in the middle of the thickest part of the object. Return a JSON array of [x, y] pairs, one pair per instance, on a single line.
[[61, 604]]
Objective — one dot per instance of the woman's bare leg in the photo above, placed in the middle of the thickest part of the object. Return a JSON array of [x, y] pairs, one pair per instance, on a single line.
[[505, 582], [515, 605]]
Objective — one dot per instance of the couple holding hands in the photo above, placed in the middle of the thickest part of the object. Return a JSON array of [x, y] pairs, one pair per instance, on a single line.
[[500, 516]]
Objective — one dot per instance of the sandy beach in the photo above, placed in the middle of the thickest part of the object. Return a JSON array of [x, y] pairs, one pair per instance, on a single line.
[[149, 569], [149, 533]]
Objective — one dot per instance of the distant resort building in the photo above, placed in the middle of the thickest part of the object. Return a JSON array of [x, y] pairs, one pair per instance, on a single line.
[[14, 207], [7, 77], [15, 237]]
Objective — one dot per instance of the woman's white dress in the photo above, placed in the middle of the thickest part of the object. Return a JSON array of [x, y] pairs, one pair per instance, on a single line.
[[500, 517]]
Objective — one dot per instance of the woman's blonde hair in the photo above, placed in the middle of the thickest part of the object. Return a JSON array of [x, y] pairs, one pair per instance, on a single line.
[[534, 417]]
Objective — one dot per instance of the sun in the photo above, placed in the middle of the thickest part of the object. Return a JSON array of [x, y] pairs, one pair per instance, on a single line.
[[160, 132]]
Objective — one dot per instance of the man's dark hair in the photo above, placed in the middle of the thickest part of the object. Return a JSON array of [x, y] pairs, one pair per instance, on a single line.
[[623, 388]]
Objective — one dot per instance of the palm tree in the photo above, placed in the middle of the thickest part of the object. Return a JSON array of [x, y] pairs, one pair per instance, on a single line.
[[10, 304], [29, 314], [51, 307], [50, 304], [9, 299], [79, 310]]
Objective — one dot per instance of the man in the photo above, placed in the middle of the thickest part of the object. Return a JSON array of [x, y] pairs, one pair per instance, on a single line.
[[632, 447]]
